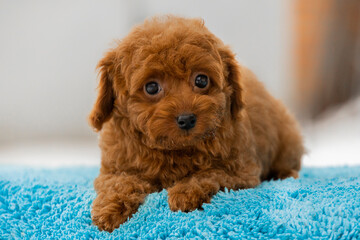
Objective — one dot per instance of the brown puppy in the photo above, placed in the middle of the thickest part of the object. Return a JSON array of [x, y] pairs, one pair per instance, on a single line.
[[176, 111]]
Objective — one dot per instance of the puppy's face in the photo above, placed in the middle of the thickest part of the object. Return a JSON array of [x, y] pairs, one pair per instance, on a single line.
[[173, 80], [177, 96]]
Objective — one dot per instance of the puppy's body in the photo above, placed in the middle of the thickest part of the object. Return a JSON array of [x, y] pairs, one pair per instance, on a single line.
[[242, 134], [278, 142]]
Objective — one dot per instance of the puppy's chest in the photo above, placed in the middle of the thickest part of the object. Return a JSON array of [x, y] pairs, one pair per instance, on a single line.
[[169, 169]]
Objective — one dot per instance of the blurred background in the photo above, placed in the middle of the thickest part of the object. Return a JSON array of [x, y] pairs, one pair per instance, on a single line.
[[307, 53]]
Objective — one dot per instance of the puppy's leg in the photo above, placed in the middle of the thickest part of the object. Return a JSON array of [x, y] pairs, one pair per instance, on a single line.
[[288, 162], [118, 197], [189, 194]]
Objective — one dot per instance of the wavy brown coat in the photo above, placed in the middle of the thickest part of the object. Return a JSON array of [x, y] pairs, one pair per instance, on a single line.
[[242, 134]]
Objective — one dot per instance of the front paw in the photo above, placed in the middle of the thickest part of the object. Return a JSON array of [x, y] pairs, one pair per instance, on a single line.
[[186, 198], [111, 210]]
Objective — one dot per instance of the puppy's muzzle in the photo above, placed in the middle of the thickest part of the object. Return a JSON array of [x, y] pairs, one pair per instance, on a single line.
[[186, 121]]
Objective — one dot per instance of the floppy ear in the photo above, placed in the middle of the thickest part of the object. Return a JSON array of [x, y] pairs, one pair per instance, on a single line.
[[104, 104], [233, 75]]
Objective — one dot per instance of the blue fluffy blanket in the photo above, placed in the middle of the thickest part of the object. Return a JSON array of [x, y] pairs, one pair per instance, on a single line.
[[53, 204]]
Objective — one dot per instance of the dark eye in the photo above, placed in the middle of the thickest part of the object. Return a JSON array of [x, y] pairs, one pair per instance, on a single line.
[[201, 81], [152, 88]]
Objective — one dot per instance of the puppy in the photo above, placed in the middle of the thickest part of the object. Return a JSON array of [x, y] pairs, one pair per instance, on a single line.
[[176, 111]]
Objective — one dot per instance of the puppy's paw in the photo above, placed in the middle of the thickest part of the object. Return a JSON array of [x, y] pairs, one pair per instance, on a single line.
[[288, 173], [110, 211], [186, 198], [108, 221]]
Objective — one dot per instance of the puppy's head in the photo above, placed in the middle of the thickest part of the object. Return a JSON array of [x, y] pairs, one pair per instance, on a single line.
[[174, 80]]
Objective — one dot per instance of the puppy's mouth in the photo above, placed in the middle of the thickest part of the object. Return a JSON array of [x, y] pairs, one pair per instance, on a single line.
[[189, 131], [185, 140]]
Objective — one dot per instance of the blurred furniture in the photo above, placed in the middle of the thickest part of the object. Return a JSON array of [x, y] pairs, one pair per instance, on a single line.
[[327, 53]]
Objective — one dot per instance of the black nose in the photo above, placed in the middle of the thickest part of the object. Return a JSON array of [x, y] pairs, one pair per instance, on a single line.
[[186, 121]]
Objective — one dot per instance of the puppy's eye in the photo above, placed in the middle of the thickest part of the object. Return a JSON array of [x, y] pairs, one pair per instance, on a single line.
[[201, 81], [152, 88]]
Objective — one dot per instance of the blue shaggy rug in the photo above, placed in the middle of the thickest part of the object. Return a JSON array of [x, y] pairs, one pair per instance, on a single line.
[[55, 204]]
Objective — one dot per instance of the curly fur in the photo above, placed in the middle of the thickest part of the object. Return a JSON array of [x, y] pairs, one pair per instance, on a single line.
[[242, 135]]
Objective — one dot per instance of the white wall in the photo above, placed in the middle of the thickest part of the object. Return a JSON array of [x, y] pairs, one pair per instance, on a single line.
[[49, 50]]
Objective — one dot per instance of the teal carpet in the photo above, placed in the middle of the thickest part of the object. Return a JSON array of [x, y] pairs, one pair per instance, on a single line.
[[53, 204]]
